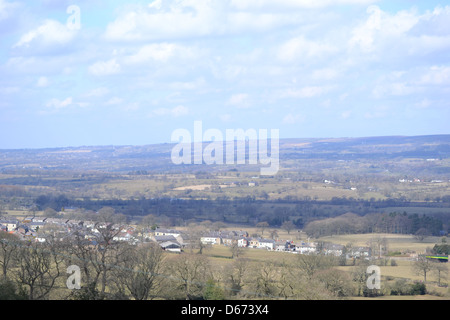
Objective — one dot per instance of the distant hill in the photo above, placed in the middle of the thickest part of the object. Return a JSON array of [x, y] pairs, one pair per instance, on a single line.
[[158, 157], [425, 147]]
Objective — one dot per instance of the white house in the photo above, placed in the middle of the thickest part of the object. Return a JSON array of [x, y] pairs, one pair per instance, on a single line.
[[211, 239], [306, 248], [361, 252], [243, 242], [266, 244], [167, 232], [10, 224], [334, 249], [125, 237]]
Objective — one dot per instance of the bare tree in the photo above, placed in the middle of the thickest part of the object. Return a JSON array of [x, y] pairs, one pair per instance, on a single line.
[[235, 275], [310, 264], [360, 276], [263, 280], [422, 266], [140, 271], [97, 254], [378, 245], [8, 248], [189, 274], [84, 254], [109, 252], [421, 234], [236, 250], [288, 226], [273, 234], [262, 226], [39, 265], [338, 282], [194, 236], [441, 271]]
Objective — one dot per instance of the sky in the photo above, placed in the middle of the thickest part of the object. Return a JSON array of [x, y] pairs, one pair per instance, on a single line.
[[110, 72]]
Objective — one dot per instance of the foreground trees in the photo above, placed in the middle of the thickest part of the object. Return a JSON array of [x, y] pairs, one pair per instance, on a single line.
[[110, 269], [38, 268]]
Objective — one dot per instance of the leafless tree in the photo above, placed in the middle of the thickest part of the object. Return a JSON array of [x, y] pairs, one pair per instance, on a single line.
[[336, 281], [189, 274], [262, 226], [263, 280], [359, 277], [109, 252], [309, 264], [236, 250], [8, 247], [422, 266], [39, 265], [440, 270], [288, 226], [234, 275], [141, 271]]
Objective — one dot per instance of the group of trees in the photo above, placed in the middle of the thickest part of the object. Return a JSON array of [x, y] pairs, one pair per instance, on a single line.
[[110, 269], [117, 270], [351, 223], [245, 209]]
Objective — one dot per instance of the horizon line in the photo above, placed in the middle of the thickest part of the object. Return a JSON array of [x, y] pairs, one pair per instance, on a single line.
[[174, 143]]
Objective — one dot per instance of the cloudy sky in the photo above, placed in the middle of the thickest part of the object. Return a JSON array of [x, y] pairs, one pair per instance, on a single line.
[[111, 72]]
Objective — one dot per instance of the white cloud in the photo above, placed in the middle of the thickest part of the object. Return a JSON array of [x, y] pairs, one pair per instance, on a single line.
[[49, 33], [300, 48], [114, 101], [293, 118], [157, 4], [9, 90], [159, 52], [130, 107], [59, 104], [177, 111], [42, 82], [191, 18], [325, 74], [7, 9], [175, 21], [393, 89], [423, 104], [346, 114], [436, 75], [305, 92], [402, 32], [105, 68], [377, 112], [196, 84], [241, 100], [294, 4], [97, 92], [225, 117]]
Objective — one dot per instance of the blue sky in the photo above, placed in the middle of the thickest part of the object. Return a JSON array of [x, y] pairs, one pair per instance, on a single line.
[[135, 71]]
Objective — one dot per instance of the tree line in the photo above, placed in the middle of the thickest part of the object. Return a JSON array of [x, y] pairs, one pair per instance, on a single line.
[[318, 217], [111, 270], [394, 222], [117, 270]]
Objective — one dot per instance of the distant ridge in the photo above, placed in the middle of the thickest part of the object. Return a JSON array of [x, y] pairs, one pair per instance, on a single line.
[[157, 156]]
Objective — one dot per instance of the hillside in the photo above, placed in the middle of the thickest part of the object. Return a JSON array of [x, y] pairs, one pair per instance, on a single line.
[[293, 153]]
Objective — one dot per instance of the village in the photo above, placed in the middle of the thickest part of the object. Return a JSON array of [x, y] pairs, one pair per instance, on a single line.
[[37, 229]]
